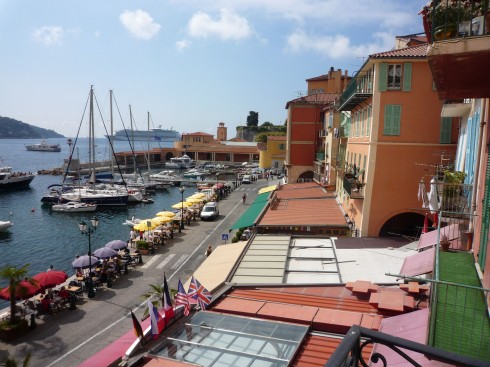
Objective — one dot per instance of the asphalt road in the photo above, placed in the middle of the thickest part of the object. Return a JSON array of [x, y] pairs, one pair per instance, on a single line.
[[72, 336]]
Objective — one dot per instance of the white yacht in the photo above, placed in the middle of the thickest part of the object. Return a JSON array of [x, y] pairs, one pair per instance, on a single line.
[[183, 162]]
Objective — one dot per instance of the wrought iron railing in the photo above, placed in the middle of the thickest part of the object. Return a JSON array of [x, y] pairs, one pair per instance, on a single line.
[[445, 19], [353, 187], [349, 351], [361, 86]]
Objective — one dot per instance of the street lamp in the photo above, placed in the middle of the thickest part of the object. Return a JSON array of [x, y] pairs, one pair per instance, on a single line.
[[88, 231], [181, 227]]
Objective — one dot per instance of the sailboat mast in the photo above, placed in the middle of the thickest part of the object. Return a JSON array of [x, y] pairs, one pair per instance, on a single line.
[[111, 137], [92, 135], [148, 160], [132, 138]]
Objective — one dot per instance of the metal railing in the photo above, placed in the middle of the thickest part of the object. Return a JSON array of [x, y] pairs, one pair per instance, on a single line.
[[445, 19], [353, 187], [349, 351], [454, 199], [361, 86]]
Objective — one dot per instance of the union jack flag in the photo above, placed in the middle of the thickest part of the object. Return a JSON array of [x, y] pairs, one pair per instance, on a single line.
[[181, 298], [199, 293]]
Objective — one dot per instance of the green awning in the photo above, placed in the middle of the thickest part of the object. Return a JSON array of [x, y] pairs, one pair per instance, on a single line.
[[250, 216]]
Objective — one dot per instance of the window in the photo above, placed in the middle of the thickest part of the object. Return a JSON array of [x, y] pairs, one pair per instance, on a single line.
[[282, 146], [368, 128], [330, 119], [446, 129], [392, 119], [394, 76]]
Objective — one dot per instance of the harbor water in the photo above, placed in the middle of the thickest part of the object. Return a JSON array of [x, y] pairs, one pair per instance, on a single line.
[[40, 237]]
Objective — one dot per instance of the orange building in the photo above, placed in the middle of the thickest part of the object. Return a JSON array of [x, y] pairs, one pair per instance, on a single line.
[[306, 121], [394, 137]]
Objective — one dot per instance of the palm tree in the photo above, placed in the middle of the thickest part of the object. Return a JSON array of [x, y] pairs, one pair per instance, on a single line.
[[156, 291], [11, 362], [14, 276]]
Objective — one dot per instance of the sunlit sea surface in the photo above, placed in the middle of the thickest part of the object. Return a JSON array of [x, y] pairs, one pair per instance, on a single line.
[[40, 237]]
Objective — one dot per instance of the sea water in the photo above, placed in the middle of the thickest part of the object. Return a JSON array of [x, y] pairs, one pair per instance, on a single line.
[[41, 237]]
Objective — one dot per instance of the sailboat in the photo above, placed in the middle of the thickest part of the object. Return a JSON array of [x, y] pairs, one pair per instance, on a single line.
[[90, 193]]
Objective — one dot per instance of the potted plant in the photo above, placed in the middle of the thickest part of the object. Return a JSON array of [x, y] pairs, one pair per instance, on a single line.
[[143, 247], [14, 326], [445, 243]]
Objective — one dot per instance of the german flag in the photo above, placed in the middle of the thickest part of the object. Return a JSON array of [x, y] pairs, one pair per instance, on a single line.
[[137, 326]]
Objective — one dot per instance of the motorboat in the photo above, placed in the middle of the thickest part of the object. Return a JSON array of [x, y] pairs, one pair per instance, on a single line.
[[96, 196], [6, 224], [164, 176], [183, 162], [74, 207], [14, 180], [132, 222], [195, 173], [44, 146]]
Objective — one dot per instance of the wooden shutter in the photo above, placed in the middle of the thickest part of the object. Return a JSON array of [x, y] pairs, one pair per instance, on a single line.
[[392, 119], [383, 76], [485, 221], [407, 76], [446, 129]]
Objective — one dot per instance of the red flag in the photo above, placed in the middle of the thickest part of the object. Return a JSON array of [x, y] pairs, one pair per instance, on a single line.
[[182, 299], [157, 322], [425, 229], [436, 220], [167, 301], [137, 326]]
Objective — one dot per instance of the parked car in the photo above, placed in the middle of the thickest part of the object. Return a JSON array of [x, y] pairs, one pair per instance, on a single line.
[[246, 179], [210, 211]]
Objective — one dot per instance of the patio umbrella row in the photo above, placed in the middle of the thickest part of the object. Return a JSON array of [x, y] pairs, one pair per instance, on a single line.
[[39, 282], [109, 250]]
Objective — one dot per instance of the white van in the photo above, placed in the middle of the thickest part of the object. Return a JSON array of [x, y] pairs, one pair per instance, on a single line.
[[246, 179]]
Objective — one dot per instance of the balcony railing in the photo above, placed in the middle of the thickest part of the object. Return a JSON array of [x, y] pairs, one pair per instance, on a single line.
[[445, 19], [357, 91], [320, 156], [349, 351], [353, 187]]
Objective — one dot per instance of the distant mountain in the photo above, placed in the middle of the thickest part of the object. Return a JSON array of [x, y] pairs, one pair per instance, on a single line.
[[14, 129]]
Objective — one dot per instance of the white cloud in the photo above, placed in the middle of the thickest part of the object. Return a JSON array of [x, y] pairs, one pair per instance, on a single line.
[[48, 35], [182, 45], [229, 26], [140, 24], [338, 46]]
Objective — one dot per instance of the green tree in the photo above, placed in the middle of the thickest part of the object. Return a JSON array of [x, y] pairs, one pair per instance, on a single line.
[[156, 291], [14, 276], [267, 124], [253, 119]]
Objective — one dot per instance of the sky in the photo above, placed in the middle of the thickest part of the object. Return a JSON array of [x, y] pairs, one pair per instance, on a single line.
[[188, 64]]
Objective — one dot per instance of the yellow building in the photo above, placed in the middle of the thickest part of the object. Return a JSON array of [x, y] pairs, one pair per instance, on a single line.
[[273, 153]]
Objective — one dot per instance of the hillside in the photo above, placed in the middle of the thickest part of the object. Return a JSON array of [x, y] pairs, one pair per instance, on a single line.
[[14, 129]]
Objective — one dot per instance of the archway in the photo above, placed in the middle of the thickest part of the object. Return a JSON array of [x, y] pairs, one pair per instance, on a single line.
[[306, 176], [404, 224]]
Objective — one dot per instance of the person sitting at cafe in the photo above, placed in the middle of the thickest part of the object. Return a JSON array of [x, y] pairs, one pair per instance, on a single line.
[[63, 293], [79, 273], [46, 304]]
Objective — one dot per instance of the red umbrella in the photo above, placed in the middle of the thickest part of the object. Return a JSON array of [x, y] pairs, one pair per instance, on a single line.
[[49, 279], [23, 290]]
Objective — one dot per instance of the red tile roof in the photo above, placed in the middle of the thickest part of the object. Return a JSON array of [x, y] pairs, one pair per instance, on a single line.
[[419, 51], [319, 98], [304, 212], [277, 137], [200, 133]]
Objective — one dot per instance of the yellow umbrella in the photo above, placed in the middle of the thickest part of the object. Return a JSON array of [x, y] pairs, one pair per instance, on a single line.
[[193, 200], [165, 214], [198, 195], [182, 204], [160, 220], [143, 225]]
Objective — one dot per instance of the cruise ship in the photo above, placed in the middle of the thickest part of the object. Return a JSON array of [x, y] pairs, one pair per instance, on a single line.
[[155, 135]]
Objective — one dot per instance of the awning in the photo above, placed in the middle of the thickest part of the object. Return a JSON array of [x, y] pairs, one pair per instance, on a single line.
[[267, 189], [418, 264], [430, 238], [250, 216]]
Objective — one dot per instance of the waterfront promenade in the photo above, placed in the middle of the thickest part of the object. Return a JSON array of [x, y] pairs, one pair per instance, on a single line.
[[69, 337]]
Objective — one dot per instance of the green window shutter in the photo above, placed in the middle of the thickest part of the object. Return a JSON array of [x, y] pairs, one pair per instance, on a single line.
[[485, 220], [407, 76], [368, 129], [383, 76], [446, 129], [392, 119]]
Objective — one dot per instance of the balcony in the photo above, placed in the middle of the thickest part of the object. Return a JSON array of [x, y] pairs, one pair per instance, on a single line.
[[460, 53], [358, 90], [353, 187], [320, 156]]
